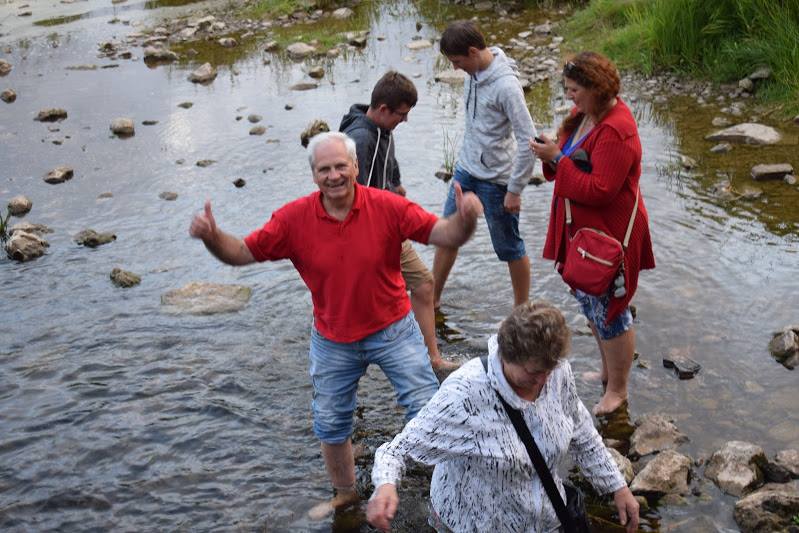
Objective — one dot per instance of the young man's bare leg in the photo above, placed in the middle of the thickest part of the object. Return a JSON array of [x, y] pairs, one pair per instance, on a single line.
[[618, 355], [443, 260], [422, 304], [520, 279], [340, 465]]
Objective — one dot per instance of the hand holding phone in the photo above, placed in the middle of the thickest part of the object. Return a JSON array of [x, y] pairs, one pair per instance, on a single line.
[[539, 140]]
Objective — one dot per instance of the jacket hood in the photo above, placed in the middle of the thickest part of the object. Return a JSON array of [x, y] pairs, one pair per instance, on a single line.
[[356, 118], [501, 66]]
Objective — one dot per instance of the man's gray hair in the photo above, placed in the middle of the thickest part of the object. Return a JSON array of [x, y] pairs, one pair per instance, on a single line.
[[328, 136]]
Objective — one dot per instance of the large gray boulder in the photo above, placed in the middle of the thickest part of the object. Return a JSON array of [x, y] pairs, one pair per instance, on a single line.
[[24, 246], [666, 474], [654, 434], [770, 509], [200, 298], [737, 468], [747, 133], [204, 74], [19, 205]]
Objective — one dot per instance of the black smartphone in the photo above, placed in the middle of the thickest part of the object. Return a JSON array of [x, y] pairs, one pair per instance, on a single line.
[[539, 140]]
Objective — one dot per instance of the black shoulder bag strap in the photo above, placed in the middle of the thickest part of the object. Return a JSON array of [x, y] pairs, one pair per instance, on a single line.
[[535, 456]]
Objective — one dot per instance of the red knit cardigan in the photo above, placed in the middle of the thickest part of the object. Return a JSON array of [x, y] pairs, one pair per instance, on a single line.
[[603, 199]]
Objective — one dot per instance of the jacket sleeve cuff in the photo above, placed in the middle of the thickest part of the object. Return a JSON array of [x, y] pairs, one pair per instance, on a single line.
[[515, 187], [387, 468]]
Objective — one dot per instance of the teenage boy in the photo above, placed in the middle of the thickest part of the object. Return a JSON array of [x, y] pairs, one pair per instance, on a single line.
[[494, 161], [371, 128]]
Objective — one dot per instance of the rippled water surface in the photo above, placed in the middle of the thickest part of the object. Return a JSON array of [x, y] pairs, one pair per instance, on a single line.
[[118, 416]]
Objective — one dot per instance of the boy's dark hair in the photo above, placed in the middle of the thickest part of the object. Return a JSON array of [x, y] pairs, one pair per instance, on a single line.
[[459, 37], [393, 89]]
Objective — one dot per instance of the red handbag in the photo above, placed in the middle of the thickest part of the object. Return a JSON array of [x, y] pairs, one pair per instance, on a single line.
[[595, 260]]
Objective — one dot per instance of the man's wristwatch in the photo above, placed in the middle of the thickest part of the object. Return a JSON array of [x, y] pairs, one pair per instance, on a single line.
[[556, 159]]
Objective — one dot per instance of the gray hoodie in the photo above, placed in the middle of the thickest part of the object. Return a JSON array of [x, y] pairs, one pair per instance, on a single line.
[[498, 126]]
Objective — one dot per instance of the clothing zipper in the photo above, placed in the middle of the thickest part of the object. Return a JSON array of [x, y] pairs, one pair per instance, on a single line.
[[589, 255]]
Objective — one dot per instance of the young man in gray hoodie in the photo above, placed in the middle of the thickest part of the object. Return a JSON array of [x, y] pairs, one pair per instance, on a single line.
[[495, 161], [371, 127]]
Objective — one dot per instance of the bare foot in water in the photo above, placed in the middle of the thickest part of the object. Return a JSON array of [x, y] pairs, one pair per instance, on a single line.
[[609, 403], [342, 500]]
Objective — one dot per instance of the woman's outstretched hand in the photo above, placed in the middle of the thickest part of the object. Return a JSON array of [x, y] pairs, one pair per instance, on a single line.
[[627, 506], [382, 507]]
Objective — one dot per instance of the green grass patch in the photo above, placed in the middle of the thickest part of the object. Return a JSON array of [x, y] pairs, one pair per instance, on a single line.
[[276, 8], [722, 40]]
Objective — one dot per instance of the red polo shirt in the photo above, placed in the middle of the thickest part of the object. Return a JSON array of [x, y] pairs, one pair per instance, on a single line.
[[352, 267]]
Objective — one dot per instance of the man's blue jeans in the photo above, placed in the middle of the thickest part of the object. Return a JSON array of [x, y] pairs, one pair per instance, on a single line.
[[336, 368]]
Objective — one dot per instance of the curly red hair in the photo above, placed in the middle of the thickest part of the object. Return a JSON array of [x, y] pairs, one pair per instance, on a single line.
[[596, 73]]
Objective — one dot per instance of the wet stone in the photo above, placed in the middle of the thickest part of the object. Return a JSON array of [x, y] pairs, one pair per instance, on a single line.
[[36, 229], [239, 183], [186, 105], [771, 172], [19, 205], [51, 115], [5, 67], [789, 459], [122, 127], [93, 239], [747, 133], [124, 279], [454, 77], [59, 175], [666, 474], [205, 162], [105, 195], [316, 72], [159, 54], [721, 148], [204, 74], [737, 467], [8, 96], [304, 86], [228, 42], [342, 13], [419, 44], [254, 119], [149, 122], [24, 246], [685, 367], [771, 508], [300, 50], [168, 196], [257, 130], [443, 174], [271, 46]]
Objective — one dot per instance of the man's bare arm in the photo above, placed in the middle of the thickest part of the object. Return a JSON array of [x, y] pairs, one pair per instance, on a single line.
[[224, 246], [455, 230]]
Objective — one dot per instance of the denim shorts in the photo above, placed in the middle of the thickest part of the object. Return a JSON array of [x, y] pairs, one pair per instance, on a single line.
[[595, 309], [502, 226], [336, 367]]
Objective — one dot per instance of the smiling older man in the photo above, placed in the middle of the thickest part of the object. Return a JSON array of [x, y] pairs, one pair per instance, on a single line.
[[345, 241]]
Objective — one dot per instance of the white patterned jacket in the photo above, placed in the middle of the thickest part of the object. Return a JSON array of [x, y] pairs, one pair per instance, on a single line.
[[483, 478]]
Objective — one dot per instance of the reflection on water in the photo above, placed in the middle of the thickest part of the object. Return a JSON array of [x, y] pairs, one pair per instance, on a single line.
[[118, 416]]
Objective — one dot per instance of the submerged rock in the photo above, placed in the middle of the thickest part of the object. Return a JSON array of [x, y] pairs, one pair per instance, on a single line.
[[316, 72], [228, 42], [666, 474], [721, 148], [314, 128], [124, 279], [59, 175], [206, 298], [419, 44], [5, 67], [747, 133], [655, 433], [770, 509], [168, 196], [19, 205], [239, 183], [784, 347], [92, 239], [254, 119], [257, 130], [202, 163], [24, 246], [737, 467], [123, 127], [186, 105], [8, 96], [204, 74], [51, 114], [159, 54], [304, 86], [443, 174]]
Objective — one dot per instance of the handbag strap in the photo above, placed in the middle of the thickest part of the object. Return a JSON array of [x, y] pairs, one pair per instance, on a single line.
[[535, 456], [629, 224]]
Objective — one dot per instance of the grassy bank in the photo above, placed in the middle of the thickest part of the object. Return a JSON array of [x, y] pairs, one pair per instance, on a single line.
[[721, 40]]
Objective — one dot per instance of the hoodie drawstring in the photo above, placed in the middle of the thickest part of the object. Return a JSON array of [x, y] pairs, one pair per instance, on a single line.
[[469, 97], [372, 166], [385, 159]]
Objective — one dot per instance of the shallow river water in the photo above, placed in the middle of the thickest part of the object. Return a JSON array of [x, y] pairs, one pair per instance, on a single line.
[[115, 415]]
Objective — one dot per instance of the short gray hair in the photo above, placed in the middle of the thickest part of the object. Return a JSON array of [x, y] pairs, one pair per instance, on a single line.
[[326, 137], [534, 331]]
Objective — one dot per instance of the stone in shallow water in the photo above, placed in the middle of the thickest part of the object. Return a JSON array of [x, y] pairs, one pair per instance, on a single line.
[[59, 175], [771, 172], [124, 279], [168, 196], [93, 239], [51, 114], [204, 74], [123, 127], [199, 298], [19, 205], [24, 246], [8, 96], [748, 133]]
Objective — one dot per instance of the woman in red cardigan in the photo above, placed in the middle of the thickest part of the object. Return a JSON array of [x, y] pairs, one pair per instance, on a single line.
[[604, 198]]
